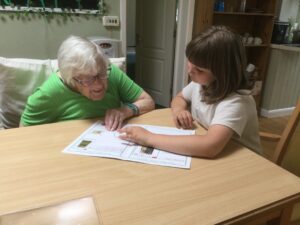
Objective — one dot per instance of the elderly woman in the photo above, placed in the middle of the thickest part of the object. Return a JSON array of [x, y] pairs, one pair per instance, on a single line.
[[86, 86]]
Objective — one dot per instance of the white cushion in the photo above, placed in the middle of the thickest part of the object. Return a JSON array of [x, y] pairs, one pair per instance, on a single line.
[[120, 62], [19, 78]]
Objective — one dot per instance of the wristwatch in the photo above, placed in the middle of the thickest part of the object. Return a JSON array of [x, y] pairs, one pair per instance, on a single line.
[[133, 107]]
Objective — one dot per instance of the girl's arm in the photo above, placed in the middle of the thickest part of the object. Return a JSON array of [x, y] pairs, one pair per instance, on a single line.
[[208, 145], [179, 103], [181, 115]]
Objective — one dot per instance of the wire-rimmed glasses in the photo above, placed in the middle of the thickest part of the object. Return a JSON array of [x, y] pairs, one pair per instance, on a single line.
[[89, 81]]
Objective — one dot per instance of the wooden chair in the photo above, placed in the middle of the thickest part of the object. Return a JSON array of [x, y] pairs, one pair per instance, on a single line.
[[287, 152]]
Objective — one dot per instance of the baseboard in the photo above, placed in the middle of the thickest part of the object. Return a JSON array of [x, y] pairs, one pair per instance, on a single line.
[[276, 112]]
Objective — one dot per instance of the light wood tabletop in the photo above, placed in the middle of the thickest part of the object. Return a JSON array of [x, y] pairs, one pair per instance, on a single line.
[[238, 187]]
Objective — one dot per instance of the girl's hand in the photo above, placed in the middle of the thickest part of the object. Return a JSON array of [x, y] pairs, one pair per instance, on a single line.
[[136, 134], [183, 119]]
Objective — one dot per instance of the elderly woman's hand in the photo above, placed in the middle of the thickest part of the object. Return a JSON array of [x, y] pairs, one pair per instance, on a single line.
[[114, 118]]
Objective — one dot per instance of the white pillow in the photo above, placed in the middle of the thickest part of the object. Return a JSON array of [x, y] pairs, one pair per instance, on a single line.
[[120, 62], [18, 79]]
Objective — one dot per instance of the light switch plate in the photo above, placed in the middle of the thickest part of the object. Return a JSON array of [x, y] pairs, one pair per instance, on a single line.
[[111, 21]]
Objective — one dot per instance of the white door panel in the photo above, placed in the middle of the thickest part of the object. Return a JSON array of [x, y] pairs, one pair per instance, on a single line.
[[155, 47], [152, 69]]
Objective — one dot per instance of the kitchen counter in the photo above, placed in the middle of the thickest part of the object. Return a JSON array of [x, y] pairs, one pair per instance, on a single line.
[[285, 47]]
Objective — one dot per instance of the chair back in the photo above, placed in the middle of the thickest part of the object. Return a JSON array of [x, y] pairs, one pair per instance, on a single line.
[[287, 153]]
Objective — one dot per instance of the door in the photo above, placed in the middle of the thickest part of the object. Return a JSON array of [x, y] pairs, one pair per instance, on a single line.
[[156, 23]]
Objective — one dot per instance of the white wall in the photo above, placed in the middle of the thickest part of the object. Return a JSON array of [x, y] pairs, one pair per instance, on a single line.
[[37, 37], [289, 9], [131, 9], [184, 35]]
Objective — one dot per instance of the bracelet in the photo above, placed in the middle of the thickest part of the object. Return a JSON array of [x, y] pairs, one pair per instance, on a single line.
[[133, 107]]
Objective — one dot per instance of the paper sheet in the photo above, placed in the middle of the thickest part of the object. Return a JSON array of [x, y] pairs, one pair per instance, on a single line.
[[97, 141]]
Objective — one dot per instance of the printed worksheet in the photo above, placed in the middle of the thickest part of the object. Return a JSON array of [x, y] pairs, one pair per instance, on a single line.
[[97, 141]]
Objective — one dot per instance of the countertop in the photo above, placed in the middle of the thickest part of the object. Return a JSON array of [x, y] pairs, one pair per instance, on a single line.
[[285, 47]]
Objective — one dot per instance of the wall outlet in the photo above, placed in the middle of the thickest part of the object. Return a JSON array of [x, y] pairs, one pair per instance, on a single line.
[[111, 21]]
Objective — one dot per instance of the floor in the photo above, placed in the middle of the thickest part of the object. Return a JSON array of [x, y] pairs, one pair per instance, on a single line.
[[271, 125]]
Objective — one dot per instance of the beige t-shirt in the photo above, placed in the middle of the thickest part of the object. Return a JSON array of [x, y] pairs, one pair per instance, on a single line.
[[237, 111]]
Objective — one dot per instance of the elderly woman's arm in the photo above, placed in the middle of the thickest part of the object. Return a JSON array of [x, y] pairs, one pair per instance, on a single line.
[[114, 117], [144, 103]]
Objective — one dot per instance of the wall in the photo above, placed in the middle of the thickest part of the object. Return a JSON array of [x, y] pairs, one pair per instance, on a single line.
[[131, 14], [40, 38], [289, 9], [282, 86]]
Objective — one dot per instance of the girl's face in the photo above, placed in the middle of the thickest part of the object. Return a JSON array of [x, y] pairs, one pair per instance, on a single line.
[[200, 75]]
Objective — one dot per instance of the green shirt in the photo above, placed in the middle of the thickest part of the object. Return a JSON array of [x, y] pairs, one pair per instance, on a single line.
[[54, 101]]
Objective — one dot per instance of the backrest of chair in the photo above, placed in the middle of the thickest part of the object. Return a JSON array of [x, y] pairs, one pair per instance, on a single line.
[[287, 153]]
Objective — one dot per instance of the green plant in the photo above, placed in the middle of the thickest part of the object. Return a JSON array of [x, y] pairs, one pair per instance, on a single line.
[[42, 8]]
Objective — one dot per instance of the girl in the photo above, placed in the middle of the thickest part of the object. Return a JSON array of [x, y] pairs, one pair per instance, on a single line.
[[217, 96]]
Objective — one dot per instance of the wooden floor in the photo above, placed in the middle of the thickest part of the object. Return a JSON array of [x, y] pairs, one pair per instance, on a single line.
[[271, 125]]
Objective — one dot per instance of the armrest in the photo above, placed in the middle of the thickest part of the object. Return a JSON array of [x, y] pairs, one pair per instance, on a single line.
[[269, 136]]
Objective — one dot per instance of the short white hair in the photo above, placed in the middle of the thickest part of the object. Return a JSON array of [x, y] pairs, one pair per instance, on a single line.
[[77, 55]]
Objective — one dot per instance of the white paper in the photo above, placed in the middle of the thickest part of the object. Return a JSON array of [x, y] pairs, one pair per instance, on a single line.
[[97, 141]]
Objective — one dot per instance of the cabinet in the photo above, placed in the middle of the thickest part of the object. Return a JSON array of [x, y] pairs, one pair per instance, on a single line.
[[257, 20]]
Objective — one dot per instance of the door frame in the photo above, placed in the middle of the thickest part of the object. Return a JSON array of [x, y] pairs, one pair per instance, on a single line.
[[183, 36], [123, 22]]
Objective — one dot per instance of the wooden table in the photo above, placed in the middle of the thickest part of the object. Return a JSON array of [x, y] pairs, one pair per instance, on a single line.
[[239, 187]]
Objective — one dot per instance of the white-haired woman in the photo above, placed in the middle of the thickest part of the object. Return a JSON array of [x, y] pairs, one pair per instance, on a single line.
[[86, 86]]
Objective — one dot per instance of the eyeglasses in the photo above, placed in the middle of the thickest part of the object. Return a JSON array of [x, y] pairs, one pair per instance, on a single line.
[[89, 81]]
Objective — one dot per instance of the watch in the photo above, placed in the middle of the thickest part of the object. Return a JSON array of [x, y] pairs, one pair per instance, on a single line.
[[133, 107]]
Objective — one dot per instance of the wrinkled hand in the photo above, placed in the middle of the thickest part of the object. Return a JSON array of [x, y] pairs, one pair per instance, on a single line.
[[183, 119], [135, 134], [113, 119]]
